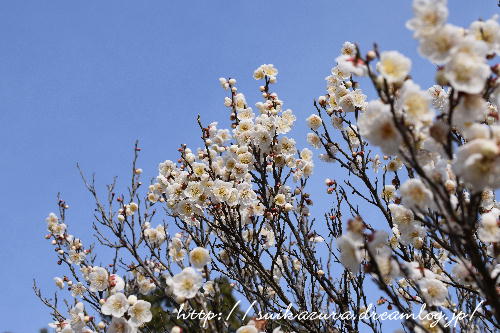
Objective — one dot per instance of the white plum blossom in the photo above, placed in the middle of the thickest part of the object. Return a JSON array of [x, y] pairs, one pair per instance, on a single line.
[[98, 279], [350, 253], [185, 284], [76, 257], [155, 236], [435, 291], [415, 104], [116, 305], [437, 46], [467, 70], [59, 282], [120, 325], [393, 66], [54, 225], [470, 109], [489, 231], [116, 283], [199, 257], [266, 70], [314, 121], [489, 32], [348, 63], [429, 16], [428, 160], [140, 313], [78, 289], [478, 163], [146, 286], [77, 317], [416, 195], [376, 124]]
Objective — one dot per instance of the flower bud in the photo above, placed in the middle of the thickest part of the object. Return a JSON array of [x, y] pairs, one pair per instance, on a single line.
[[371, 55]]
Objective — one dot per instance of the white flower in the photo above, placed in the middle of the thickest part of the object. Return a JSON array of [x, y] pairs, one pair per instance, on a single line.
[[490, 231], [404, 219], [265, 70], [350, 254], [429, 15], [349, 64], [194, 190], [314, 121], [394, 165], [247, 196], [59, 282], [116, 283], [467, 70], [415, 103], [437, 46], [187, 209], [348, 49], [313, 140], [268, 236], [394, 66], [388, 267], [209, 288], [376, 124], [222, 190], [57, 228], [75, 257], [435, 291], [389, 192], [470, 109], [489, 32], [247, 329], [146, 286], [352, 101], [478, 163], [120, 325], [280, 199], [306, 154], [185, 284], [440, 98], [415, 194], [199, 257], [98, 279], [116, 305], [77, 289], [77, 320], [155, 236], [52, 218], [140, 313]]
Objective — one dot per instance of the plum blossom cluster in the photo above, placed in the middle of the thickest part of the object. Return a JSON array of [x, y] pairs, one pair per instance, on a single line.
[[96, 285], [237, 180], [447, 140], [413, 205]]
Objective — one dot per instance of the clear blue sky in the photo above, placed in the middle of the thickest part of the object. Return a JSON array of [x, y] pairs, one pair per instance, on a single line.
[[81, 80]]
